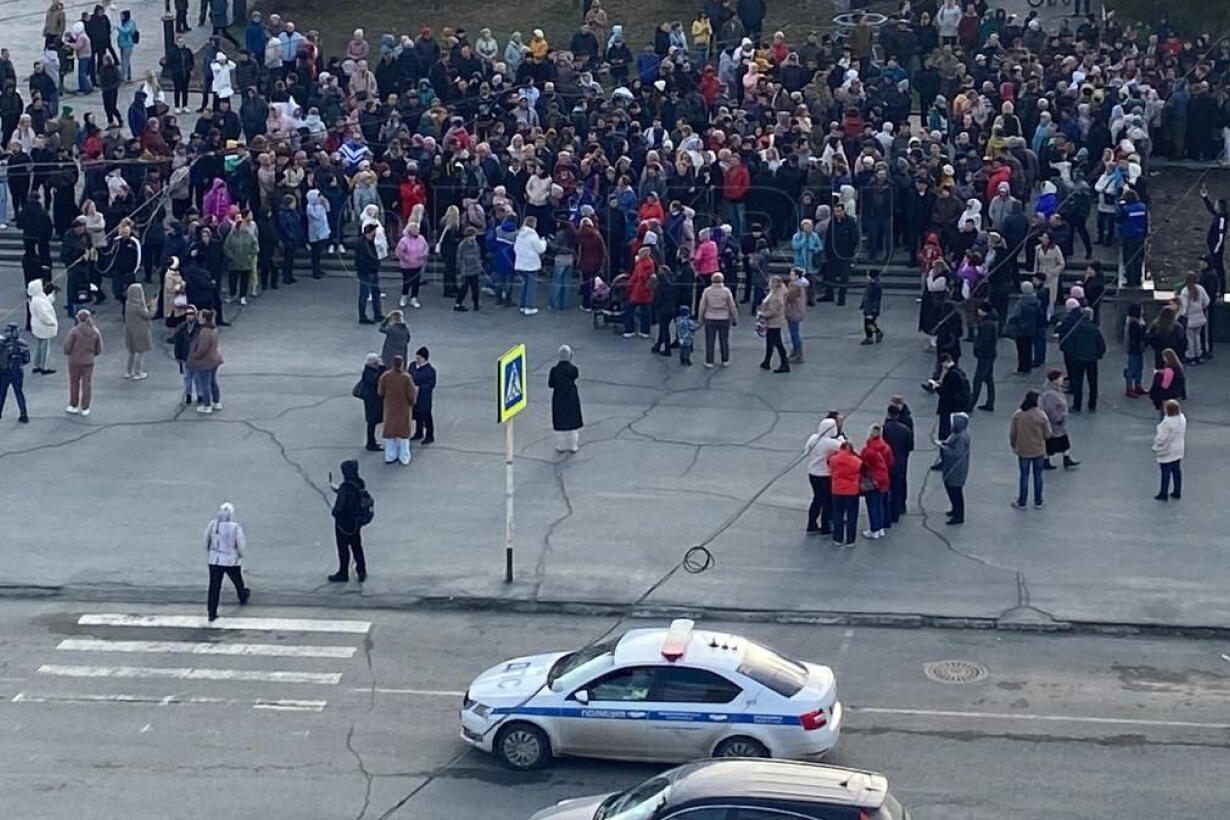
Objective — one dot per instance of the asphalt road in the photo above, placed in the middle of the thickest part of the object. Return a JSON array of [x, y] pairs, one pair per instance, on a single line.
[[362, 723]]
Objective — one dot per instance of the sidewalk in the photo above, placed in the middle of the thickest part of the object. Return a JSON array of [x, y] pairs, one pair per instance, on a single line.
[[23, 36]]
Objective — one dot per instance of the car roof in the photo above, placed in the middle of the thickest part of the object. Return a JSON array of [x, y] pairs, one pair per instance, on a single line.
[[779, 780], [713, 650]]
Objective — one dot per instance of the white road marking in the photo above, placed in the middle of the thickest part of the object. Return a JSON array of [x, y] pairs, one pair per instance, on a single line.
[[201, 622], [145, 728], [946, 713], [427, 693], [155, 700], [206, 648], [189, 673]]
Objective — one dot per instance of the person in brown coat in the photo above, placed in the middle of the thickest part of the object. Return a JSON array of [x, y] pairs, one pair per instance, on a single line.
[[82, 345], [397, 389], [204, 359], [137, 337]]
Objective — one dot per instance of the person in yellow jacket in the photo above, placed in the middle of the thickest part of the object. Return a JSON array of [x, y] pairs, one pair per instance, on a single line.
[[538, 46]]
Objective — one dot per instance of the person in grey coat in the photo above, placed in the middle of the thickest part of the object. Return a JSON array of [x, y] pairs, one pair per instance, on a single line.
[[954, 456], [224, 546], [396, 338]]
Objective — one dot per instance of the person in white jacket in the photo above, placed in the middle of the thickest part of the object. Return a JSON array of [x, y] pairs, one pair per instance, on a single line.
[[1168, 443], [820, 445], [222, 68], [947, 18], [225, 545], [44, 325], [528, 249], [1194, 304]]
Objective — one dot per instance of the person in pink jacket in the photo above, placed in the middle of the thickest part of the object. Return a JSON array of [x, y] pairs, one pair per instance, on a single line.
[[704, 262], [217, 202], [411, 253]]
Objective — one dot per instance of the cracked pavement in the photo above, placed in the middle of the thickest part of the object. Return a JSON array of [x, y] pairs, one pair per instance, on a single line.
[[113, 505]]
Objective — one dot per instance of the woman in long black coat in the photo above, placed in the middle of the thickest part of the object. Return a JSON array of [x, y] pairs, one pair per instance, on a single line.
[[373, 404], [565, 402]]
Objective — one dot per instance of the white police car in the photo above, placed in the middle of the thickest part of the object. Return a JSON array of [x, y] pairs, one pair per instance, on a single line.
[[657, 695]]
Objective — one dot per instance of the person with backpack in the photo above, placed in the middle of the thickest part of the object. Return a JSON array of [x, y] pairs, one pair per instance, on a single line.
[[224, 545], [353, 509], [14, 356]]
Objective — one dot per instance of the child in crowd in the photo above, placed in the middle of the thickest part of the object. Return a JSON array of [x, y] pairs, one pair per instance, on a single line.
[[685, 330]]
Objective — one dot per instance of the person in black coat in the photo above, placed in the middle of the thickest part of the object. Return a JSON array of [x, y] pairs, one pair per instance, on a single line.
[[373, 404], [900, 438], [347, 522], [665, 306], [36, 229], [565, 402], [367, 271], [424, 376], [986, 339]]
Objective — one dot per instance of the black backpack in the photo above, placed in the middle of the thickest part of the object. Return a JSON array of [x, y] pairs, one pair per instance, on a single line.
[[367, 508]]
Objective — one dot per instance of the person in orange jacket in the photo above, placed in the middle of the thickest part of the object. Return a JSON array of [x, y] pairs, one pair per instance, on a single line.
[[845, 467], [878, 457]]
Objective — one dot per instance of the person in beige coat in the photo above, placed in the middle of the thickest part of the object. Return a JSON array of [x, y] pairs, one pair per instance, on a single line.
[[174, 296], [137, 337], [1049, 262], [718, 312], [397, 389], [204, 359], [1027, 436], [772, 313], [82, 346]]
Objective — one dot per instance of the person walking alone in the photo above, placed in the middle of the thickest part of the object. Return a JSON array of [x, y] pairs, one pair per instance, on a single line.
[[224, 546], [398, 391], [350, 508], [14, 356], [566, 418], [528, 249], [138, 337], [44, 324], [1027, 436], [1168, 444], [986, 341], [82, 346]]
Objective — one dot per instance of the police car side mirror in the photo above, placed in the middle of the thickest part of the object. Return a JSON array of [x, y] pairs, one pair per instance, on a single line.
[[581, 696]]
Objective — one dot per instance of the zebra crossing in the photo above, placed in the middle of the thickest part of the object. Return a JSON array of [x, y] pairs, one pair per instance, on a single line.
[[112, 652]]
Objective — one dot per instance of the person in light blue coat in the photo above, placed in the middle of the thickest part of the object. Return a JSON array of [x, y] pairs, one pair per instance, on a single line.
[[808, 248], [126, 39], [317, 228]]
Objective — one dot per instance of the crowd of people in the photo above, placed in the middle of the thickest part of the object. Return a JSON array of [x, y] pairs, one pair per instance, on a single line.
[[654, 181]]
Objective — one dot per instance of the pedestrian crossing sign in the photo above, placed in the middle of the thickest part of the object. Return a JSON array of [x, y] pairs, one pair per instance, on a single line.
[[511, 392]]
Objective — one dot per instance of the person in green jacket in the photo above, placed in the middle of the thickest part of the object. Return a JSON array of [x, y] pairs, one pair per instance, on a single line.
[[240, 249]]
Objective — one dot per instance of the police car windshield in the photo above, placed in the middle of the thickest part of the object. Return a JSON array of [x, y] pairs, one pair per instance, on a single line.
[[777, 672], [637, 803], [575, 660]]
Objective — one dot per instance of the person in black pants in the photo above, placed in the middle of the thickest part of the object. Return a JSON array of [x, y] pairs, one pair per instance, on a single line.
[[665, 306], [224, 546], [772, 312], [900, 437], [109, 81], [424, 376], [823, 443], [373, 404], [986, 339], [1084, 344], [347, 522]]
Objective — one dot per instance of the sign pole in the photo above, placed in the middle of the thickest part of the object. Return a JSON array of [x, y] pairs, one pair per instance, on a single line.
[[508, 501]]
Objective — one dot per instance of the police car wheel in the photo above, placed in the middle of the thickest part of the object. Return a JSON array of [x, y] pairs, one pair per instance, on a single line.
[[522, 746], [740, 746]]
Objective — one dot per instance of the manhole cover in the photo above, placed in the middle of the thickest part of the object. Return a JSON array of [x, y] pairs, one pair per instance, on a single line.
[[955, 671]]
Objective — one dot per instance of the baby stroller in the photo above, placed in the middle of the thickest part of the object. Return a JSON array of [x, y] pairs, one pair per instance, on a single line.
[[606, 302]]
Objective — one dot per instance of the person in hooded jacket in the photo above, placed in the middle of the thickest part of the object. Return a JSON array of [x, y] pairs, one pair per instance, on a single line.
[[822, 444], [44, 324], [318, 231], [347, 522], [224, 546], [877, 458], [14, 356], [845, 468], [373, 405], [954, 458]]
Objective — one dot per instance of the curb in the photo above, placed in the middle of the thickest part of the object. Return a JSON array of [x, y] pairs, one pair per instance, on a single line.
[[425, 603]]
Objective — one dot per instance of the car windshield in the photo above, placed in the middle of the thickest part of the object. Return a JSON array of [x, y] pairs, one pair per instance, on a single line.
[[637, 803], [575, 660], [777, 672]]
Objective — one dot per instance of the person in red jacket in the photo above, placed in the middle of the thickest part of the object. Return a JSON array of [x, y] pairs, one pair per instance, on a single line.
[[411, 192], [844, 468], [735, 182], [640, 294], [878, 458], [651, 208]]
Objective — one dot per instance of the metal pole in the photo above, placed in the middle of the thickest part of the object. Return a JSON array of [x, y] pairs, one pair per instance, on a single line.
[[508, 501]]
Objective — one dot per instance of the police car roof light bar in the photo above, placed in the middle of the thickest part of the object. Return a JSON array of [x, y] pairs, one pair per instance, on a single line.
[[677, 638]]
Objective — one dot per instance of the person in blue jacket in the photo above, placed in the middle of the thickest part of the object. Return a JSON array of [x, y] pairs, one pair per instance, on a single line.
[[424, 375], [1133, 218], [254, 39], [291, 235]]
